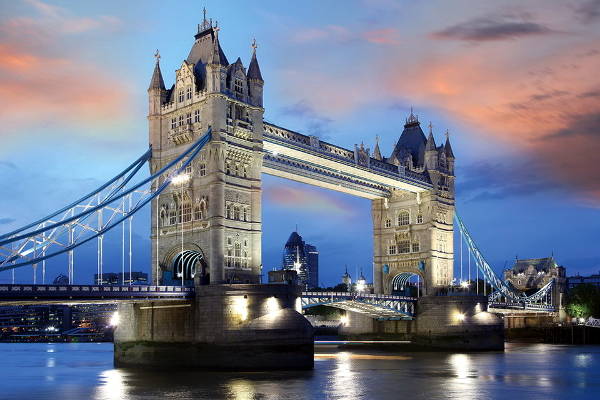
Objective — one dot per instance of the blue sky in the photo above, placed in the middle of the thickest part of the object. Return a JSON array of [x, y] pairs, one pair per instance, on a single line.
[[516, 85]]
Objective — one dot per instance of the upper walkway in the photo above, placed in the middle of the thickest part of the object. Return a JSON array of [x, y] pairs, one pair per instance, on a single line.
[[307, 159]]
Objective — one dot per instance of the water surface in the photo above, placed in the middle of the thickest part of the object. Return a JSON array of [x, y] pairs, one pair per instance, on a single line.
[[65, 371]]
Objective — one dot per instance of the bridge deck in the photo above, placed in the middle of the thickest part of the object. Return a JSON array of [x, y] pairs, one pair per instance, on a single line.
[[35, 294]]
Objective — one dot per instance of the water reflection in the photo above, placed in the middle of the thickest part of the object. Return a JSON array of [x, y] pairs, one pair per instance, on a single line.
[[240, 389], [344, 381], [112, 385]]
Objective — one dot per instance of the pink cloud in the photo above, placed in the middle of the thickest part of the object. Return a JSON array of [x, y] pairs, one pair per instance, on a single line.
[[382, 36], [307, 199]]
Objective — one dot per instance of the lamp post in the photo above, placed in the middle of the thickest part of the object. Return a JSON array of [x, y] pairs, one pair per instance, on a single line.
[[181, 180]]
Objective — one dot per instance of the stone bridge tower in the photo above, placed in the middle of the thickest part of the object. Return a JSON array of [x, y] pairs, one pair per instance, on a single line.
[[413, 232], [215, 215]]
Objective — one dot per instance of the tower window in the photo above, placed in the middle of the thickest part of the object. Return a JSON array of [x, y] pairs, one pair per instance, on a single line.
[[388, 223], [245, 216], [404, 246], [419, 218], [403, 218], [188, 169], [239, 86], [228, 167], [180, 120], [172, 217], [198, 212], [416, 247], [188, 93], [236, 212], [180, 95], [245, 171], [188, 118], [197, 116], [186, 213], [228, 212], [392, 249], [173, 123], [202, 169]]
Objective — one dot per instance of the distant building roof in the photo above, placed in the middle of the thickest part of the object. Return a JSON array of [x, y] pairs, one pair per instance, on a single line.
[[540, 264]]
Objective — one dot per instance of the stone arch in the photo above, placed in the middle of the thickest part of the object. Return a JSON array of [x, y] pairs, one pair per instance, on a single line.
[[399, 282], [194, 264]]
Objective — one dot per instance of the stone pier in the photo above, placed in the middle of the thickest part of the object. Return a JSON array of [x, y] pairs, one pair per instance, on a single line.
[[226, 327], [443, 322]]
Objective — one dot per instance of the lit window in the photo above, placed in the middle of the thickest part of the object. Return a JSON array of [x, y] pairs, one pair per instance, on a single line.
[[180, 95], [197, 116], [392, 250], [419, 218], [388, 223], [188, 118], [202, 169], [416, 247], [173, 123], [404, 246], [188, 93], [403, 218]]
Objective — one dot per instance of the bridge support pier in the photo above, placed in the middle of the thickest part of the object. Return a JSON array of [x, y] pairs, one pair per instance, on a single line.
[[226, 327]]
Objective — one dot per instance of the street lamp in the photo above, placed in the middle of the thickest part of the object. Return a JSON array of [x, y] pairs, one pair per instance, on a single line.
[[181, 180]]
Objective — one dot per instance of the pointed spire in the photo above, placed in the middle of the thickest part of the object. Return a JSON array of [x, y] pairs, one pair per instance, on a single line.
[[376, 151], [447, 147], [157, 80], [253, 68], [217, 56], [412, 118], [430, 145]]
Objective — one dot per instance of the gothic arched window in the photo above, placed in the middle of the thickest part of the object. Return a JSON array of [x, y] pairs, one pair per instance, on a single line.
[[403, 218], [404, 246], [236, 212], [198, 212]]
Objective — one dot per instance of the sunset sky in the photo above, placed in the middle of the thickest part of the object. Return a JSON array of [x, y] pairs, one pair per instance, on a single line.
[[517, 84]]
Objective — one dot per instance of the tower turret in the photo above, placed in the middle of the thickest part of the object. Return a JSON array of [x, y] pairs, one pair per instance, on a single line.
[[449, 154], [156, 91], [376, 151], [431, 155], [255, 80]]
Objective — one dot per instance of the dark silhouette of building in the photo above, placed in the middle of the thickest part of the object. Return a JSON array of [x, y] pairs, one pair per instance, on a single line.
[[118, 278]]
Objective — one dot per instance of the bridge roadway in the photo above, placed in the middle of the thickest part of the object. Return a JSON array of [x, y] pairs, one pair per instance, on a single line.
[[383, 307]]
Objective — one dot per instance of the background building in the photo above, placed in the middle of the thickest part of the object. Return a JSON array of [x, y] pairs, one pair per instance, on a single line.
[[117, 278], [532, 274], [577, 280], [303, 258]]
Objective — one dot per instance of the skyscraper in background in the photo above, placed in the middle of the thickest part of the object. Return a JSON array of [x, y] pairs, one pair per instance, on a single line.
[[303, 258]]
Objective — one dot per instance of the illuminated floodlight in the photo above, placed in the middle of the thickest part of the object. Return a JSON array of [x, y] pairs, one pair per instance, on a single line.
[[240, 307], [464, 284], [272, 305], [180, 179], [344, 320], [360, 286], [460, 317], [114, 320]]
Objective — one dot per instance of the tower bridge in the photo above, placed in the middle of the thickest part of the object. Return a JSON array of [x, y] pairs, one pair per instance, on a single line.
[[209, 146]]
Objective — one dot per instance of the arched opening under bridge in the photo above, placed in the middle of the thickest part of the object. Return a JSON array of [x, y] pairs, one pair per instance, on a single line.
[[407, 284]]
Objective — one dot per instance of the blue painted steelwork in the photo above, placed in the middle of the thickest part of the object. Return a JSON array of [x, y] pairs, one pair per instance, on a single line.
[[42, 238], [505, 295]]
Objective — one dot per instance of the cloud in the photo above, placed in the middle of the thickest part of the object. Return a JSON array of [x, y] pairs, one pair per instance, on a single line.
[[490, 29], [307, 199], [46, 79], [315, 123], [5, 221], [588, 11], [341, 34], [8, 164]]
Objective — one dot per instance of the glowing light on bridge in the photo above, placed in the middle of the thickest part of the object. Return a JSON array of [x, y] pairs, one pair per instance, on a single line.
[[240, 307], [460, 317], [344, 320], [272, 305], [464, 284], [114, 320], [180, 179]]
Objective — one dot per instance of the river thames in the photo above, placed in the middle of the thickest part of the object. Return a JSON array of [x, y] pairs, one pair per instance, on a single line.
[[531, 371]]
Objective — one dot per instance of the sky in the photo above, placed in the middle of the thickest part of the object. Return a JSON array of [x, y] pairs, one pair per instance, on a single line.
[[516, 85]]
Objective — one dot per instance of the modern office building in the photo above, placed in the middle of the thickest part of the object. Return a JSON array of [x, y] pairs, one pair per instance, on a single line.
[[302, 258]]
